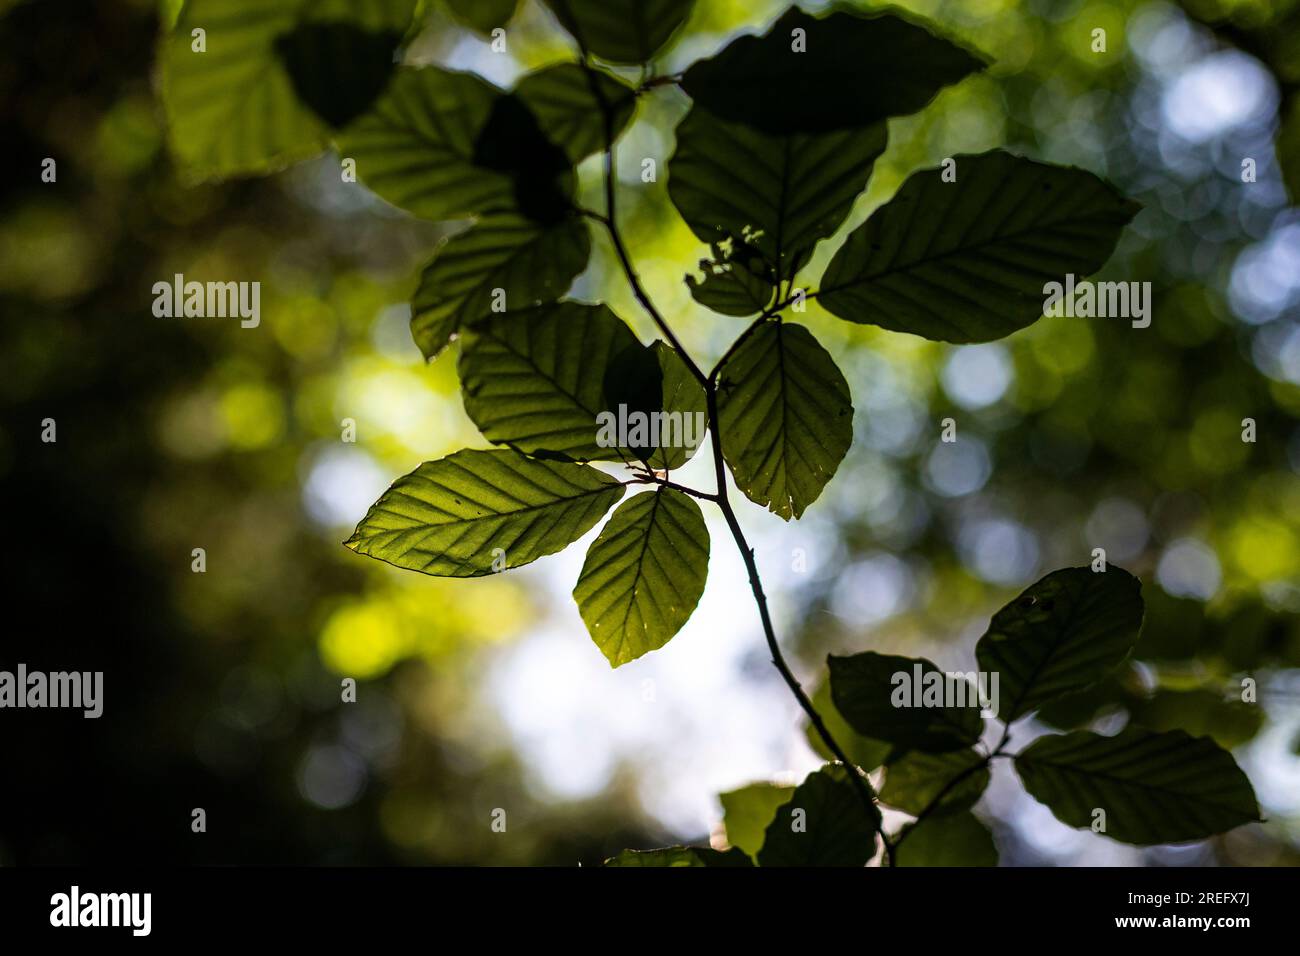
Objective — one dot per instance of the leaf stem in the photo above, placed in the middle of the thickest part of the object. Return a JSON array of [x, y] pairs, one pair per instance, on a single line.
[[610, 222], [769, 632]]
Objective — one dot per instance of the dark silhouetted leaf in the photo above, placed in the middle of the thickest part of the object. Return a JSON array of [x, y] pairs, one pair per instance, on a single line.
[[567, 110], [1154, 787], [824, 824], [917, 779], [454, 517], [254, 99], [967, 261], [747, 812], [443, 145], [483, 15], [785, 417], [634, 385], [531, 264], [857, 70], [736, 280], [337, 69], [958, 840], [777, 194], [877, 694], [863, 751], [1064, 632], [535, 379], [644, 574], [680, 856], [622, 31]]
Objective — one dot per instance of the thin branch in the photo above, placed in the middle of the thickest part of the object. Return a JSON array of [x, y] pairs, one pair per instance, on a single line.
[[769, 632], [610, 221], [665, 483], [947, 788]]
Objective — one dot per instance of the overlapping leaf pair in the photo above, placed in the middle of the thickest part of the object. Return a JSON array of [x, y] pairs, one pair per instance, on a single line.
[[1061, 636]]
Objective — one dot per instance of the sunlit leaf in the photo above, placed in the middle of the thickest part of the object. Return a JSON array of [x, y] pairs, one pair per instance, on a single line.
[[785, 417], [685, 405], [747, 812], [967, 261], [476, 512], [885, 697], [1154, 787], [622, 31], [260, 95], [1063, 633], [644, 574], [443, 145], [505, 259], [851, 70], [778, 194], [535, 379], [825, 823]]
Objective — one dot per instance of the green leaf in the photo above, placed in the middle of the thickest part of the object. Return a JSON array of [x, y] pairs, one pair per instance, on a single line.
[[969, 261], [1063, 633], [249, 102], [644, 574], [444, 145], [854, 71], [682, 396], [1155, 787], [906, 701], [747, 812], [457, 516], [680, 856], [959, 840], [568, 111], [823, 824], [736, 280], [535, 379], [776, 194], [528, 262], [863, 751], [483, 15], [917, 779], [622, 31], [785, 417]]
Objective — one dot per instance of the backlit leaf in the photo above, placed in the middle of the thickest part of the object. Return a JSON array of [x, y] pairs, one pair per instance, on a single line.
[[785, 417], [457, 516], [644, 574], [1155, 787], [528, 263], [968, 261], [1064, 633]]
